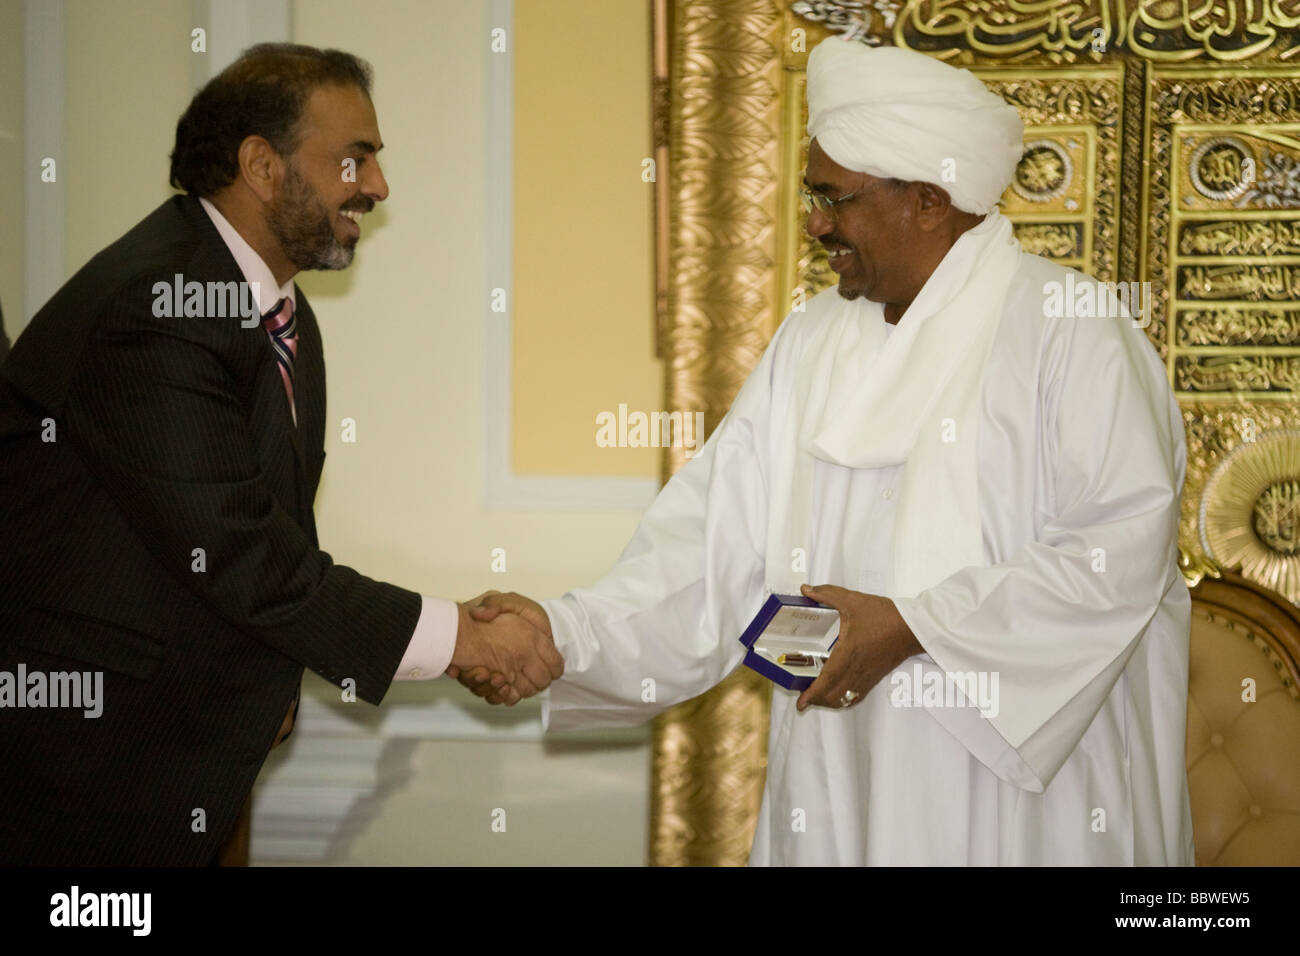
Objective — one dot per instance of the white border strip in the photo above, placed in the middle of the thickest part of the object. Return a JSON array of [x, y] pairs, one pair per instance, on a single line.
[[502, 487], [46, 203]]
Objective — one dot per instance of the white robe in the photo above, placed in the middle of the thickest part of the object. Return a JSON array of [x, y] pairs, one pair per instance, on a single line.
[[1080, 448]]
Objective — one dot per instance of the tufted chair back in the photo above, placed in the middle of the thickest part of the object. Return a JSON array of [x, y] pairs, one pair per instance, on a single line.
[[1243, 754]]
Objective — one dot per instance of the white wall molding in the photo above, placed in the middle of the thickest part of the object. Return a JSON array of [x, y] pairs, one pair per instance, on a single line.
[[43, 136]]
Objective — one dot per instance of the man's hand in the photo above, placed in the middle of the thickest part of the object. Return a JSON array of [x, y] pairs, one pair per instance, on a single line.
[[481, 674], [485, 609], [505, 659], [874, 639]]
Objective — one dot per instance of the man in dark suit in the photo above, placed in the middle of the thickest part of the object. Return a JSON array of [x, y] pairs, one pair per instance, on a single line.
[[162, 425]]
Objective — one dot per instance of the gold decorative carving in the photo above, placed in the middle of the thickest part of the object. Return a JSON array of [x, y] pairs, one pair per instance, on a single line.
[[1044, 171], [710, 760], [1133, 225], [1254, 98], [1248, 283], [1155, 239], [1250, 511], [660, 102], [724, 159], [1054, 174], [1082, 30], [1196, 567], [866, 20], [1215, 430], [724, 156], [1224, 166], [1237, 373], [1055, 240], [1277, 517], [1072, 31], [1231, 169], [1239, 326], [1221, 168], [1080, 112], [1240, 237]]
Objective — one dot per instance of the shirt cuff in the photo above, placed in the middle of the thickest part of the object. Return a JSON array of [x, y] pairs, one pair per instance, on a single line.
[[428, 655]]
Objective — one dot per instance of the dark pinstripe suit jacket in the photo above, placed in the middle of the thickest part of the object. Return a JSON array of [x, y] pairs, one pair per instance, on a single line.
[[170, 435]]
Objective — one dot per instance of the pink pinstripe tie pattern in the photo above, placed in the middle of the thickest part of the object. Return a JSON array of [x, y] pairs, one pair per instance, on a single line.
[[283, 330]]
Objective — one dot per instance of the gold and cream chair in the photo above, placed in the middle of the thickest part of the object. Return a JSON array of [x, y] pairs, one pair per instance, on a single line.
[[1243, 723]]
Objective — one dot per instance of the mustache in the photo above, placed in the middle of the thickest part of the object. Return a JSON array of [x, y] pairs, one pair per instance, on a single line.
[[362, 205], [831, 243]]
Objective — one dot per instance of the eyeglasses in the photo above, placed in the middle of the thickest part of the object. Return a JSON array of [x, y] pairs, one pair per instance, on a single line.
[[825, 204]]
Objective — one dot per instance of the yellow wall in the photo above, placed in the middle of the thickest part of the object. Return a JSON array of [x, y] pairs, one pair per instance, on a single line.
[[584, 305]]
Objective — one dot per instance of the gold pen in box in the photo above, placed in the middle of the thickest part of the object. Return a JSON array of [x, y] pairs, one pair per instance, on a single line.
[[789, 639], [802, 660]]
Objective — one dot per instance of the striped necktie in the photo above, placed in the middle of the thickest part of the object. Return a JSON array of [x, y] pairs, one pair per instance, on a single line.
[[283, 330]]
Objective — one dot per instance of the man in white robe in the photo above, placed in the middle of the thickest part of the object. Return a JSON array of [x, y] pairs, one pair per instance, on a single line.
[[990, 486]]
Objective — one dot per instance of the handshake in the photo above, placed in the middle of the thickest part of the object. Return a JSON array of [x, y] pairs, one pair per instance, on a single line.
[[504, 648]]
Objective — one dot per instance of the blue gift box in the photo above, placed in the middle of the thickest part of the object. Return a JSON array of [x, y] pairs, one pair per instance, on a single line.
[[794, 624]]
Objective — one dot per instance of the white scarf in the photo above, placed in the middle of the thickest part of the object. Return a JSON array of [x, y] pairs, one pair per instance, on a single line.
[[867, 400]]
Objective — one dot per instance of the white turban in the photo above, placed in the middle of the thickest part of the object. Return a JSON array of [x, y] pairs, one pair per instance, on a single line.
[[899, 114]]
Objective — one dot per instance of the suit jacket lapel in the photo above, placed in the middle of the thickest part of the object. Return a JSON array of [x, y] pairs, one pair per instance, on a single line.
[[214, 260], [310, 399]]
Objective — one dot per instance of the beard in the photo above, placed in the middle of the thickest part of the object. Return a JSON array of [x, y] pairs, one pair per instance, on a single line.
[[851, 288], [305, 228]]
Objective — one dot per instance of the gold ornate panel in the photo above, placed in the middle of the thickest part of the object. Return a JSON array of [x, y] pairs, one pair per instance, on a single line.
[[723, 142], [1162, 145], [1223, 200]]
